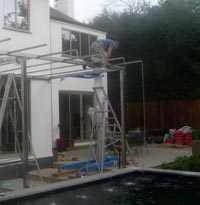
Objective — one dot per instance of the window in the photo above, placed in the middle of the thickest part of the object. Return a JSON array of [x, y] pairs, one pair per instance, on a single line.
[[16, 14], [74, 121], [75, 40], [85, 44], [79, 41], [65, 40]]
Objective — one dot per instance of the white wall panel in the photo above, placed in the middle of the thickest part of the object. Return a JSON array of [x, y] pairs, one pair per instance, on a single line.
[[41, 118]]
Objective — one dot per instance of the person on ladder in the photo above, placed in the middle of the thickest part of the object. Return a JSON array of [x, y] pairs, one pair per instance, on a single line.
[[101, 51]]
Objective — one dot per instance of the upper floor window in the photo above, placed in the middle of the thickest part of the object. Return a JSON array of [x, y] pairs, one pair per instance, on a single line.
[[16, 14], [79, 41]]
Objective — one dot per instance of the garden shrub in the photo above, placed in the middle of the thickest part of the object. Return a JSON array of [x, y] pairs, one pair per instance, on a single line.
[[184, 163]]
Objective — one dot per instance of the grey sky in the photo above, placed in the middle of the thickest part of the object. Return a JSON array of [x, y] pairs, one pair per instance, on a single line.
[[87, 9]]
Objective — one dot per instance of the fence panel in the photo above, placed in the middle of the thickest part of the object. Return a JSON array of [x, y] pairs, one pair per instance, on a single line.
[[165, 115]]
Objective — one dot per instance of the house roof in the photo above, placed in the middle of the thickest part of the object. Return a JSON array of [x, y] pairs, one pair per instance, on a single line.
[[59, 16]]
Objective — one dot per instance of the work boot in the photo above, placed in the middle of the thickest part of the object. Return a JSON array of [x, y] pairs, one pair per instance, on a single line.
[[87, 58], [107, 65]]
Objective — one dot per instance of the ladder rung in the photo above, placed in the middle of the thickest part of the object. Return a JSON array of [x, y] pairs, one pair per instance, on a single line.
[[110, 118], [101, 111], [110, 132], [33, 164], [112, 125], [10, 98], [98, 87]]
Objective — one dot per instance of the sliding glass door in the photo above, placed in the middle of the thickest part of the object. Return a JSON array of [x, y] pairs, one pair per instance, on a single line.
[[73, 115]]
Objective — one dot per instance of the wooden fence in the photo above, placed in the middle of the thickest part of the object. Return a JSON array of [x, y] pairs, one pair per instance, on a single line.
[[165, 115]]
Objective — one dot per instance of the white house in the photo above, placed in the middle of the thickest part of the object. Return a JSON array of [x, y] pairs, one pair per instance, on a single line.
[[57, 108]]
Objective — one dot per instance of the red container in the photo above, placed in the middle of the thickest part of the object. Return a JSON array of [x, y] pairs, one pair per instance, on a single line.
[[178, 134], [179, 141], [169, 141], [179, 137], [61, 143], [188, 136], [188, 139]]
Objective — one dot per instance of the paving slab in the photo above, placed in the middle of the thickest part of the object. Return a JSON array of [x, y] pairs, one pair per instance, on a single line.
[[149, 156]]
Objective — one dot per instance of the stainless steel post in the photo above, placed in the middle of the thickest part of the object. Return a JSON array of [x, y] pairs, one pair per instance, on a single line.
[[100, 129], [25, 142], [144, 107], [122, 118]]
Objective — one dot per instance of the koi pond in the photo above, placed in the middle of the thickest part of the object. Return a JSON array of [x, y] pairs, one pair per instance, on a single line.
[[135, 188]]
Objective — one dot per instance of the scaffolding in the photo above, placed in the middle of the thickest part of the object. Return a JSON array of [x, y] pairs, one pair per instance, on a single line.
[[65, 61]]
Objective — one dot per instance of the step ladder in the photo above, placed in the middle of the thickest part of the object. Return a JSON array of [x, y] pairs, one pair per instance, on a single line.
[[108, 122], [5, 103], [5, 97]]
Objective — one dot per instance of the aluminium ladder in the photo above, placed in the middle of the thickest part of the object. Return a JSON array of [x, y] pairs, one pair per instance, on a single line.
[[5, 104], [105, 118]]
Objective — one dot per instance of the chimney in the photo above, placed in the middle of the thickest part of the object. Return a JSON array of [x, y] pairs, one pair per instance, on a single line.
[[65, 6]]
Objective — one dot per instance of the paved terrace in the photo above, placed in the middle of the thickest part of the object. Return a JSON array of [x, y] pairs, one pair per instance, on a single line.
[[148, 156]]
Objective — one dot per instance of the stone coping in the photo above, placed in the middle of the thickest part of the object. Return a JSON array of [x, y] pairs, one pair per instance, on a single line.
[[86, 180]]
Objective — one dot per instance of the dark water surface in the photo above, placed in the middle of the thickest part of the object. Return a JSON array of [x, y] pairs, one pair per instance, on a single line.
[[144, 189]]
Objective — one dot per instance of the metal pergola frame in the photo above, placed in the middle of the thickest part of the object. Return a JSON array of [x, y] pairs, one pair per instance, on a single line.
[[67, 61]]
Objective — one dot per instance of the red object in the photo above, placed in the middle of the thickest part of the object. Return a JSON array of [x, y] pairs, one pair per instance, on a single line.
[[188, 139], [183, 138], [169, 141], [179, 142], [178, 134], [62, 143], [179, 139]]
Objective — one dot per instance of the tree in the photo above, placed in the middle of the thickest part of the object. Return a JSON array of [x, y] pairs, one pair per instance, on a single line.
[[167, 38], [130, 6]]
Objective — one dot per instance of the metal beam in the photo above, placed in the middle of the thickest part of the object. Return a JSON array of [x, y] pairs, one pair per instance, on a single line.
[[30, 66], [122, 97], [5, 63], [6, 39], [63, 52], [5, 60], [128, 63], [24, 49], [70, 59], [81, 72], [28, 56], [144, 107], [25, 141], [56, 68]]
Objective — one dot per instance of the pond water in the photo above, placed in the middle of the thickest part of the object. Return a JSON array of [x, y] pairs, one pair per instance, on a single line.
[[137, 188]]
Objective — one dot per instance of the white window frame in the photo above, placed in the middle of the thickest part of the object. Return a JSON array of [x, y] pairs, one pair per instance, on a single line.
[[80, 41], [15, 17]]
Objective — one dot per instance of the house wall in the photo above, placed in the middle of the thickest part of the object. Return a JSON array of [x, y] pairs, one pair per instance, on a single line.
[[40, 92], [68, 84], [39, 29], [44, 95]]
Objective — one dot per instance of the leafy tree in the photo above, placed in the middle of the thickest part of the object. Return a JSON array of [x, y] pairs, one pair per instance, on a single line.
[[130, 6], [167, 38]]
